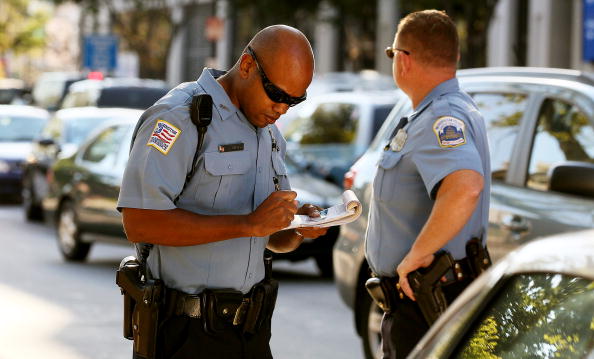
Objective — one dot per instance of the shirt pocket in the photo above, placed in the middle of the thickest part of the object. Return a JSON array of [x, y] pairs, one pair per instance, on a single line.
[[280, 170], [225, 184], [384, 184]]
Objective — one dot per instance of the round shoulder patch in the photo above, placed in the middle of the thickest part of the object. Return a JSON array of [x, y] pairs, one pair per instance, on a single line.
[[449, 131]]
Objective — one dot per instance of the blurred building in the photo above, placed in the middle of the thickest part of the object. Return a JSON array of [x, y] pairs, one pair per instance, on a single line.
[[547, 33]]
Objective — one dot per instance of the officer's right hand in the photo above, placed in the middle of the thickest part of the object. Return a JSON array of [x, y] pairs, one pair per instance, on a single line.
[[275, 213]]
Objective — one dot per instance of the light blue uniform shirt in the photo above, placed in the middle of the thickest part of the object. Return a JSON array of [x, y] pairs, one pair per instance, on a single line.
[[226, 182], [446, 133]]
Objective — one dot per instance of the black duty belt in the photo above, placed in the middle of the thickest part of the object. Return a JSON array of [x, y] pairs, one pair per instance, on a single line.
[[230, 306]]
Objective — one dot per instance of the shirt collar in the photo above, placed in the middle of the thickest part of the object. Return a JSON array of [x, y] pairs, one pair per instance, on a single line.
[[447, 86], [220, 99]]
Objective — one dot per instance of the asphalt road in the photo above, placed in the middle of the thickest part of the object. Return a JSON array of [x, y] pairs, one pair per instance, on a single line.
[[52, 309]]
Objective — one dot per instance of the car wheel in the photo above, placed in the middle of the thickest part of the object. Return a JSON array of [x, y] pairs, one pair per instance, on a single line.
[[33, 211], [371, 317], [69, 239]]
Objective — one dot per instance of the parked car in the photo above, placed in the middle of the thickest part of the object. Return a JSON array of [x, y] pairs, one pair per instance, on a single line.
[[334, 129], [61, 136], [51, 87], [19, 125], [115, 92], [84, 189], [537, 302], [363, 81], [540, 125], [14, 92]]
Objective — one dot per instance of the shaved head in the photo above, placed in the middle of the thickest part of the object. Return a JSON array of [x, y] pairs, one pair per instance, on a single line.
[[278, 57], [284, 51]]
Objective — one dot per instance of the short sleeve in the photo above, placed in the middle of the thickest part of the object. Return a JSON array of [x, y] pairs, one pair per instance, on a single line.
[[159, 161], [446, 144]]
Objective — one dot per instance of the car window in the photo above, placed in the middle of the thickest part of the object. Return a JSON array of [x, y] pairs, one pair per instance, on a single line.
[[20, 128], [563, 133], [329, 123], [77, 99], [77, 129], [546, 315], [104, 148], [380, 113], [130, 97], [502, 113]]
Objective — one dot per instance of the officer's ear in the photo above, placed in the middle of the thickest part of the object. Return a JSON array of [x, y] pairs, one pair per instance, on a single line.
[[246, 64]]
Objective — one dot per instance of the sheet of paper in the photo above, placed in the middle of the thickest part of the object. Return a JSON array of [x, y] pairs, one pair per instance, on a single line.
[[349, 210]]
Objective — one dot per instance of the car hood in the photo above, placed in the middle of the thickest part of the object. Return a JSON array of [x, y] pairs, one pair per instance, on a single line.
[[15, 150], [315, 191]]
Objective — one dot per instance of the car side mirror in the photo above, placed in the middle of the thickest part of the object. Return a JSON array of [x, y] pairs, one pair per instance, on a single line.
[[573, 178]]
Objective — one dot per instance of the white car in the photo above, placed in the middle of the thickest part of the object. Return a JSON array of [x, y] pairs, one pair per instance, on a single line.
[[537, 302]]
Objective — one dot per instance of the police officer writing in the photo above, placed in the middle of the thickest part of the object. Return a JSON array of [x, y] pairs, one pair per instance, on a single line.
[[210, 231], [429, 209]]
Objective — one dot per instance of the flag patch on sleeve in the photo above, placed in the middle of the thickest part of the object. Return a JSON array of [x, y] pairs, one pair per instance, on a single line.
[[449, 131], [163, 136]]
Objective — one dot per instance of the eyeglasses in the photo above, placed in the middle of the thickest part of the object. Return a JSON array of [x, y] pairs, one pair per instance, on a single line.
[[272, 91], [391, 51]]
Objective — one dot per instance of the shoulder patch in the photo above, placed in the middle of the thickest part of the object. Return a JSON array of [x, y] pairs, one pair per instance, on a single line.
[[449, 131], [164, 136]]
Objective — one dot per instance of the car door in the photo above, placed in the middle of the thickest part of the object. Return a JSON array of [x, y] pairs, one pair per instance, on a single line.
[[504, 112], [562, 132], [99, 181]]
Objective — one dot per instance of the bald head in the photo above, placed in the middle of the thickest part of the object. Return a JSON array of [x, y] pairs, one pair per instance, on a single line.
[[272, 74]]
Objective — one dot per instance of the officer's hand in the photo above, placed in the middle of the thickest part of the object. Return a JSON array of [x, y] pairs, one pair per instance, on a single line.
[[275, 213], [411, 263], [314, 212]]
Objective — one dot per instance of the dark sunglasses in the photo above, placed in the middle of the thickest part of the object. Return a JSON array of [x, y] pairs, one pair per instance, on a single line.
[[274, 93], [391, 51]]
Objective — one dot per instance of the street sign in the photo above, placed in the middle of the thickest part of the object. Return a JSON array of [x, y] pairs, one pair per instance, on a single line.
[[588, 31], [100, 52]]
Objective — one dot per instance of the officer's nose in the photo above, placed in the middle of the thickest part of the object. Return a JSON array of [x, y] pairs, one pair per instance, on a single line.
[[280, 108]]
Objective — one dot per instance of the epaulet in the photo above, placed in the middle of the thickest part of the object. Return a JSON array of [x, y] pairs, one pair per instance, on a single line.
[[441, 107]]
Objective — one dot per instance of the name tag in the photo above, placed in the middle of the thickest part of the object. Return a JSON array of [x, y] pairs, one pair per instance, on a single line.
[[231, 147]]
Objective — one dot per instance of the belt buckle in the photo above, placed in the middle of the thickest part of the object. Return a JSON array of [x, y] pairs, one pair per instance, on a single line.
[[191, 306]]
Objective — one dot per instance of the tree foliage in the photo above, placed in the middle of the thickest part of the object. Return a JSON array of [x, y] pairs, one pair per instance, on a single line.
[[21, 29], [144, 27]]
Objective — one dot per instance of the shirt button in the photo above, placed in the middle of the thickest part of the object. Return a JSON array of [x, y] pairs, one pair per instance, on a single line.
[[250, 275], [259, 169], [229, 167]]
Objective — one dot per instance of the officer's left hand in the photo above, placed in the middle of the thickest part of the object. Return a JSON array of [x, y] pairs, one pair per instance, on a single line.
[[411, 263], [314, 212]]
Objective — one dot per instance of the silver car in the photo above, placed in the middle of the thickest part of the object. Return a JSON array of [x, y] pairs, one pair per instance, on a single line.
[[540, 124], [537, 302]]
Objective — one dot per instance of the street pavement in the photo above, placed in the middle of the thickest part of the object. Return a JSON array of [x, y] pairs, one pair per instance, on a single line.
[[53, 309]]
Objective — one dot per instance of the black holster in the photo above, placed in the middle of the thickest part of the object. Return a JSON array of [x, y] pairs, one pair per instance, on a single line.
[[225, 308], [142, 303]]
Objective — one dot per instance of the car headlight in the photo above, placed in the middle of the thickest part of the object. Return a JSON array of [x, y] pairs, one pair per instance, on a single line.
[[4, 166]]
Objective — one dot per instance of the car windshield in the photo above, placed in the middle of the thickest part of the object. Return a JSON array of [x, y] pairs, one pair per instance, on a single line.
[[20, 128], [77, 129], [535, 316], [130, 97]]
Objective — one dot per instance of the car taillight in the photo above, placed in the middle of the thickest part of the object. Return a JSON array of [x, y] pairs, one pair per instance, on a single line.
[[349, 179]]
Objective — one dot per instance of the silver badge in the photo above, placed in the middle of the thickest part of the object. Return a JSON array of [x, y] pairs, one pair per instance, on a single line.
[[398, 141]]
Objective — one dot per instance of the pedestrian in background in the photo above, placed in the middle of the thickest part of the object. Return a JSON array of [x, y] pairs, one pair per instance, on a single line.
[[210, 231], [431, 189]]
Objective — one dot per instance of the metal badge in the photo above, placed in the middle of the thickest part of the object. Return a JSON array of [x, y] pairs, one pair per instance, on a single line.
[[398, 141]]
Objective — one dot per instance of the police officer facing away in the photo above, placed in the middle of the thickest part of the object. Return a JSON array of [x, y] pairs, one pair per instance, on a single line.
[[213, 237], [431, 189]]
